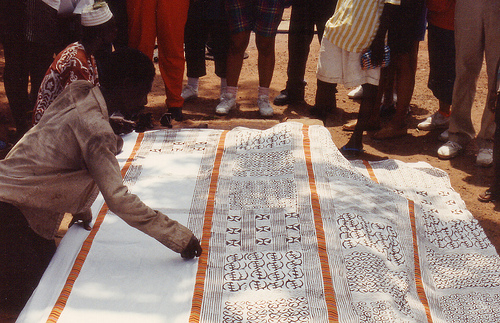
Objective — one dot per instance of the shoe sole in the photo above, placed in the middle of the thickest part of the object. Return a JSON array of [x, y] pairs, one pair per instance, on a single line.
[[483, 165], [449, 157], [433, 128]]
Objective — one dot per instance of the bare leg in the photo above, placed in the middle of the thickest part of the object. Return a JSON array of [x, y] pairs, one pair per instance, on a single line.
[[366, 108], [239, 43], [444, 108], [406, 67], [266, 60]]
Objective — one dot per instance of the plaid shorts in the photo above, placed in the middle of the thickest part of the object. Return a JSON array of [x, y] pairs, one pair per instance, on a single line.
[[261, 16]]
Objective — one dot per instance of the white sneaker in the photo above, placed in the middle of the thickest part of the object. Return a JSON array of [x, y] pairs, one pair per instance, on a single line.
[[484, 157], [435, 121], [227, 102], [449, 150], [357, 93], [189, 93], [265, 108], [444, 136]]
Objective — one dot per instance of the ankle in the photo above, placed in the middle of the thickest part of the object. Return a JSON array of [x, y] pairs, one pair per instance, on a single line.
[[444, 113]]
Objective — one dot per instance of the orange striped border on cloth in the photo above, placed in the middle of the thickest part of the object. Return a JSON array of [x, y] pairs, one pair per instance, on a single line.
[[416, 257], [207, 229], [320, 232], [87, 244]]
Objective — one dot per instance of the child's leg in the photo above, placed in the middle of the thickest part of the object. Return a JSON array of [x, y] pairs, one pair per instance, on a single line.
[[366, 108], [325, 101]]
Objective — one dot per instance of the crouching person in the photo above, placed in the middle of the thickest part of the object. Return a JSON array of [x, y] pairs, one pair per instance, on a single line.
[[58, 167]]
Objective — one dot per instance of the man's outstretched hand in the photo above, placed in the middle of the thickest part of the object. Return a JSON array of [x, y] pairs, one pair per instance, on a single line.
[[84, 219], [193, 249]]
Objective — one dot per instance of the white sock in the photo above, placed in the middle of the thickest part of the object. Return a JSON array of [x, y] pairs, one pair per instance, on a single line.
[[193, 82], [223, 85], [263, 91], [232, 90]]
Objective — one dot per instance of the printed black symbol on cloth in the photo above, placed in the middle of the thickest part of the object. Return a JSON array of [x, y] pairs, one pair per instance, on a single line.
[[464, 270], [455, 233], [466, 308], [234, 218], [271, 138], [376, 312], [367, 273], [354, 231], [276, 193], [259, 270], [264, 228], [274, 163], [283, 310], [184, 146]]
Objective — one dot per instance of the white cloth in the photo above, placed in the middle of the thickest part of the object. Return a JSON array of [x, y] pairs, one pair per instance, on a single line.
[[339, 66], [292, 231]]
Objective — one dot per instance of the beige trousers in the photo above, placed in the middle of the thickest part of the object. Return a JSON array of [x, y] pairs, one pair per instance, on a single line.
[[477, 35]]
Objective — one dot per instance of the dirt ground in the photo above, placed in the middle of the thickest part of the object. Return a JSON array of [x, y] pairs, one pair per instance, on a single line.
[[466, 178]]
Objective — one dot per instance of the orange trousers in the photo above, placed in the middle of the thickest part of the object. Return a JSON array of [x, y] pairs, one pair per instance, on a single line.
[[163, 21]]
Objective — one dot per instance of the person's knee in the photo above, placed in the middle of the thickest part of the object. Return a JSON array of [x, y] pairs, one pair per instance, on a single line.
[[239, 43], [265, 45]]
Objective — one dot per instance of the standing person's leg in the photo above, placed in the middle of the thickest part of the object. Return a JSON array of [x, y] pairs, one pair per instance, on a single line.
[[237, 47], [355, 144], [268, 16], [119, 10], [171, 21], [469, 48], [492, 54], [220, 36], [24, 256], [300, 35], [16, 78], [325, 101], [406, 66], [266, 59], [142, 18], [195, 37], [441, 47], [236, 52], [493, 193]]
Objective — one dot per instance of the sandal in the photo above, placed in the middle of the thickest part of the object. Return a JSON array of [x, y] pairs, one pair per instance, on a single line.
[[487, 196], [350, 153]]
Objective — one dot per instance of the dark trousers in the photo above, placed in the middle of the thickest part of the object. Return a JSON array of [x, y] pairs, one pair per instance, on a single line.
[[305, 15], [29, 43], [119, 10], [199, 29], [496, 151], [25, 63], [24, 256]]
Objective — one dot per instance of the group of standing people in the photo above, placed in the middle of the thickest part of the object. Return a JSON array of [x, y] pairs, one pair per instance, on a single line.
[[460, 34]]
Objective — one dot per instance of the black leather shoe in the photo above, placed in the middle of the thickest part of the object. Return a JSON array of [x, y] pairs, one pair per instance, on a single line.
[[144, 122], [176, 113], [166, 119], [287, 97], [320, 112]]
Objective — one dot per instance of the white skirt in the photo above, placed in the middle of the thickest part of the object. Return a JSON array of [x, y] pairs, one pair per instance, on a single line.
[[336, 65]]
